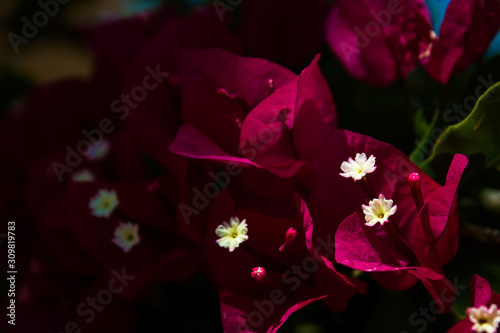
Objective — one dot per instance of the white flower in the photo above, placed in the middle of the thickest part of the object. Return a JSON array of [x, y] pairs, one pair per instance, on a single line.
[[232, 234], [84, 175], [359, 167], [378, 211], [98, 152], [126, 236], [485, 320], [103, 203]]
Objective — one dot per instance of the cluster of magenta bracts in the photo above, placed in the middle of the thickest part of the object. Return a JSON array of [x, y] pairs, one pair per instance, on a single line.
[[237, 161]]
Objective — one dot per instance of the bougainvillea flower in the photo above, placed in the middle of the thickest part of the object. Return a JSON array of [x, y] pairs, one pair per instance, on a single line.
[[151, 247], [260, 284], [221, 88], [58, 152], [157, 117], [378, 41], [417, 239], [290, 128], [69, 142], [484, 313], [47, 199], [266, 124], [218, 90], [466, 32], [147, 104]]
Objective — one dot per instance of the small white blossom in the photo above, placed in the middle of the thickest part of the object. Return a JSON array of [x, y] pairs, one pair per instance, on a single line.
[[103, 203], [100, 151], [359, 167], [126, 236], [378, 211], [232, 234], [84, 175], [485, 320]]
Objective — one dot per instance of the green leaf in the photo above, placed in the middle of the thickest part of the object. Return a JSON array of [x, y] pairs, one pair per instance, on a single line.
[[420, 124], [427, 131], [477, 134]]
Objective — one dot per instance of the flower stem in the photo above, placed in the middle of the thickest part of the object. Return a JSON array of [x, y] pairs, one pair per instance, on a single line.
[[368, 187]]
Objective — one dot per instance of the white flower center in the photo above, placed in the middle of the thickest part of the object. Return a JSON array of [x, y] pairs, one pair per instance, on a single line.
[[484, 319], [103, 203], [232, 234], [359, 167], [378, 211], [126, 236]]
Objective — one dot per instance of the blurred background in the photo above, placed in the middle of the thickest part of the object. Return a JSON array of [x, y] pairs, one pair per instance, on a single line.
[[54, 52]]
